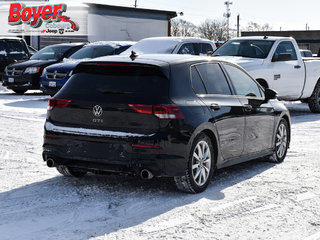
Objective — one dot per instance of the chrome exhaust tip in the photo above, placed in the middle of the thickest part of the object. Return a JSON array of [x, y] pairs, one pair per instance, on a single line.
[[50, 162], [146, 174]]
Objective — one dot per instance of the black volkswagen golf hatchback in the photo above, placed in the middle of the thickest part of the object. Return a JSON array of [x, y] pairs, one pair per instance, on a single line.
[[163, 116]]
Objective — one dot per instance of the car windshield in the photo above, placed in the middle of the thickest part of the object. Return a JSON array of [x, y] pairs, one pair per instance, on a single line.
[[12, 48], [51, 53], [148, 46], [245, 48], [92, 52]]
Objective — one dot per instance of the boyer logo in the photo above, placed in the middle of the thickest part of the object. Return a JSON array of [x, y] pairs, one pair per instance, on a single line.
[[35, 16]]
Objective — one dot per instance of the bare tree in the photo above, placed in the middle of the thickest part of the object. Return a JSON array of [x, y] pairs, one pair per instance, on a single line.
[[255, 27], [214, 30], [183, 28]]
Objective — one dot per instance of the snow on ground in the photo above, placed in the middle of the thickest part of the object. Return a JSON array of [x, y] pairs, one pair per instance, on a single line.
[[255, 200]]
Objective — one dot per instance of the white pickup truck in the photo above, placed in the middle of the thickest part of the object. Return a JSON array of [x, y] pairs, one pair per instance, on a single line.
[[275, 62]]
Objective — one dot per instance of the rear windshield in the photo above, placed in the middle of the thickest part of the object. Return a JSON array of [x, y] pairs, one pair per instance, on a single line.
[[117, 81], [245, 48]]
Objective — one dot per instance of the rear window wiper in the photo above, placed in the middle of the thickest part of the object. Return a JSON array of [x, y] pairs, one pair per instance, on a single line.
[[113, 92]]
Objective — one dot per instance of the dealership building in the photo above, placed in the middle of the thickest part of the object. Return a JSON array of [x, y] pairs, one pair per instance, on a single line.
[[97, 22]]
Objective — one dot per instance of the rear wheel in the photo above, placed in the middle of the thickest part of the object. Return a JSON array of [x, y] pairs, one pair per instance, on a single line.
[[314, 100], [281, 141], [200, 166], [70, 172]]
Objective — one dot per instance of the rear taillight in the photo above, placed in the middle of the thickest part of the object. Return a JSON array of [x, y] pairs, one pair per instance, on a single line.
[[58, 103], [160, 111]]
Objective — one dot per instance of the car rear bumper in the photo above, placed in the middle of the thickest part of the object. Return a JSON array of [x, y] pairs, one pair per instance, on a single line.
[[127, 155]]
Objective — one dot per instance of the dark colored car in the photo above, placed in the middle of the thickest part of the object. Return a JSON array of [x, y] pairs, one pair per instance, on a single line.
[[12, 50], [24, 76], [164, 116], [56, 75]]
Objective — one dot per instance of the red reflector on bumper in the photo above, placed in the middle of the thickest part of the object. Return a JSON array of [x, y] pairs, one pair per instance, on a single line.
[[145, 146]]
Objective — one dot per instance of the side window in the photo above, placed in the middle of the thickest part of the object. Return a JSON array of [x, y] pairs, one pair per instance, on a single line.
[[214, 79], [243, 84], [205, 48], [285, 47], [197, 83], [187, 48]]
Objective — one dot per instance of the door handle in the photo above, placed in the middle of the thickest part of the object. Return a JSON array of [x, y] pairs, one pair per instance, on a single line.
[[297, 66], [247, 107], [215, 106]]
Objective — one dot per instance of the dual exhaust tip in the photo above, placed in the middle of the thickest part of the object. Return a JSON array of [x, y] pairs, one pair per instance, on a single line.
[[50, 162], [144, 174]]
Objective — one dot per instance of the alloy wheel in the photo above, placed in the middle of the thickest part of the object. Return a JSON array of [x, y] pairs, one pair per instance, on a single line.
[[201, 163]]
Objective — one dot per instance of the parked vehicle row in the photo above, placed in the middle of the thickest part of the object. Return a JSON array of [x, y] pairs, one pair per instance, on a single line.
[[25, 76], [56, 75]]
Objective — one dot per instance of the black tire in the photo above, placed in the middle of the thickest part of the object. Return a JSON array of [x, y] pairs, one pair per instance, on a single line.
[[314, 100], [197, 178], [70, 172], [20, 92], [281, 142]]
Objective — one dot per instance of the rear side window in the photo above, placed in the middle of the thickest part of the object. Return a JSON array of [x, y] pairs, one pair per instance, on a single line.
[[205, 48], [187, 48], [214, 79], [197, 83], [122, 81], [243, 84]]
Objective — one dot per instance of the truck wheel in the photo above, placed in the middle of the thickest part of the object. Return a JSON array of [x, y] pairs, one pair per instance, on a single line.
[[314, 100], [200, 166], [70, 172]]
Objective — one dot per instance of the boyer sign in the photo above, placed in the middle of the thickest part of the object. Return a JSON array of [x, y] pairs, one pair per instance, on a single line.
[[41, 19]]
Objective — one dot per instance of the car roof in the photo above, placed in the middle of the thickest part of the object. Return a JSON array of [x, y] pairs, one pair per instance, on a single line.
[[177, 39], [11, 38], [157, 59], [114, 44], [67, 44], [261, 38]]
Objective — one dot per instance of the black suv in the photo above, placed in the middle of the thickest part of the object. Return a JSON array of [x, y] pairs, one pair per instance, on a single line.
[[24, 76], [12, 50], [162, 115]]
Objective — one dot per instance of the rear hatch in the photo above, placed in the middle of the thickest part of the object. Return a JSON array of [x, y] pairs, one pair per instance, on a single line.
[[112, 100]]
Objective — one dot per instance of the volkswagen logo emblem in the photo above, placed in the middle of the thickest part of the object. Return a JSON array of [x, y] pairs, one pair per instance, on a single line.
[[97, 111]]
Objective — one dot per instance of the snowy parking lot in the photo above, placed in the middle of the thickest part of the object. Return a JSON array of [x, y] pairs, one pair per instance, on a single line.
[[255, 200]]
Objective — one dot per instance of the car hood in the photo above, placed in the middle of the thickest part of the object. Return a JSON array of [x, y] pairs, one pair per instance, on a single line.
[[65, 65], [246, 63], [33, 63]]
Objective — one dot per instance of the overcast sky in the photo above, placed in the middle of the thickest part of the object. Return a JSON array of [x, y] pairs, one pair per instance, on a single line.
[[287, 14]]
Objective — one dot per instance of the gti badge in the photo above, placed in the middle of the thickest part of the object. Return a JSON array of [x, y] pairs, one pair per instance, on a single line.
[[97, 111]]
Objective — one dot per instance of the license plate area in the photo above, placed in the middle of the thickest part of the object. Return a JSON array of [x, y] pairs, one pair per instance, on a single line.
[[11, 80], [52, 84]]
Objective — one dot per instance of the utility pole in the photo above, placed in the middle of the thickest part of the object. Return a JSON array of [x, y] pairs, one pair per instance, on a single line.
[[238, 25], [135, 3], [227, 14]]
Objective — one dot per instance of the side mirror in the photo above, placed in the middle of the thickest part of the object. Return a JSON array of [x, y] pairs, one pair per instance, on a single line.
[[270, 94], [282, 57]]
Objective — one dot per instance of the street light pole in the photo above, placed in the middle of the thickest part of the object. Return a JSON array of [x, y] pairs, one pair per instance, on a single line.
[[227, 14]]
